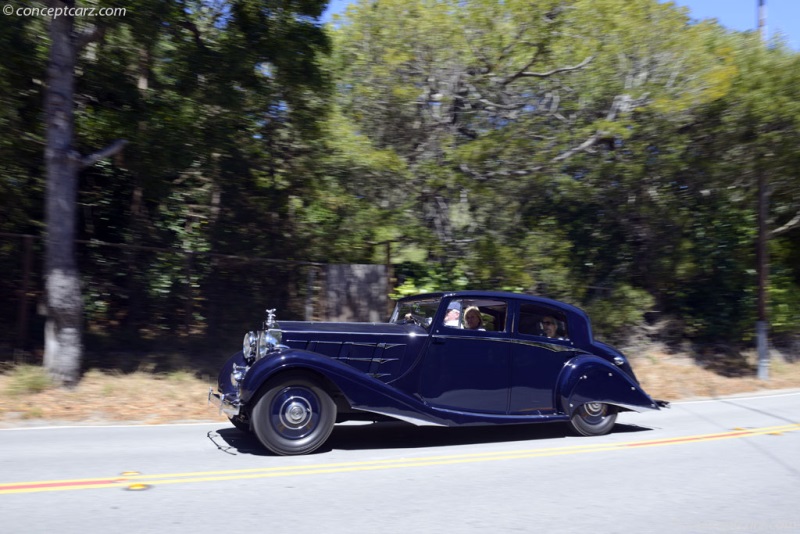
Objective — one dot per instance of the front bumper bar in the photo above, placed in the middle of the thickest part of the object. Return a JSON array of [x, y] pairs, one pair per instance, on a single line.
[[228, 406]]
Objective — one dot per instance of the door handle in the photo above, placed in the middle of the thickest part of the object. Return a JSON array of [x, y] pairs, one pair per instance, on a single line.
[[437, 341]]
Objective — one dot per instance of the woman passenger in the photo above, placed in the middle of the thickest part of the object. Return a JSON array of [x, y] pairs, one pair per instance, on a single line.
[[473, 319]]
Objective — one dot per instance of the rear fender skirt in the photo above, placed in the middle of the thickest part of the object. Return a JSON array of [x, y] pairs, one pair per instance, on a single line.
[[590, 379]]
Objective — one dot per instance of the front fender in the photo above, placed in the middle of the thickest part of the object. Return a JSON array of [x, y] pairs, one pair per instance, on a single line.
[[262, 370], [587, 378], [362, 391], [224, 378]]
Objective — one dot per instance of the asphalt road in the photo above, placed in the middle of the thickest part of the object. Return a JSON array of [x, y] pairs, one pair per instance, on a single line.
[[729, 465]]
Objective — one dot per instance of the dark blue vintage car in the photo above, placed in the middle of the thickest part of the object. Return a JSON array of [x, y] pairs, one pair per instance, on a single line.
[[450, 359]]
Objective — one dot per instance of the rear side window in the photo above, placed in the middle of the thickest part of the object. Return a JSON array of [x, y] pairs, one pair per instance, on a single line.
[[536, 320]]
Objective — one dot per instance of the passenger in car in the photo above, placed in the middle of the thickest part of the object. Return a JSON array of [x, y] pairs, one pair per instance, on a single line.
[[473, 319], [453, 315]]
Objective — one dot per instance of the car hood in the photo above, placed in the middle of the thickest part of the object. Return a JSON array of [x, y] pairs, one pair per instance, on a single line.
[[297, 334], [375, 348], [310, 328]]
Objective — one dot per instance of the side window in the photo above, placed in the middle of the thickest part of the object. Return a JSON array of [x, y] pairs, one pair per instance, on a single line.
[[538, 320], [477, 314]]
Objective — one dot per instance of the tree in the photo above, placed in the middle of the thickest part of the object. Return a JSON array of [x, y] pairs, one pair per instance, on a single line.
[[599, 151], [502, 111], [63, 301], [226, 75]]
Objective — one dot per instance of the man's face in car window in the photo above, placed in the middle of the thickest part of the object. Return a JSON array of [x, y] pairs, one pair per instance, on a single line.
[[550, 326]]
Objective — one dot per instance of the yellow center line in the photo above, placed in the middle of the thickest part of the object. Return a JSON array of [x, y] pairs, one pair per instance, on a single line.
[[139, 480]]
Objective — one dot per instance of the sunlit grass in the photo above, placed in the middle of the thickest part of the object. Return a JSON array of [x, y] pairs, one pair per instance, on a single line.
[[180, 377], [27, 379]]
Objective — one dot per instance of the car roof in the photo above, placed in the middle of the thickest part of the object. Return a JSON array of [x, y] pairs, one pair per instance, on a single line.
[[473, 293]]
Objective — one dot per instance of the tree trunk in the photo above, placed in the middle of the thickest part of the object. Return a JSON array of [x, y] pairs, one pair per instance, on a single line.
[[64, 304]]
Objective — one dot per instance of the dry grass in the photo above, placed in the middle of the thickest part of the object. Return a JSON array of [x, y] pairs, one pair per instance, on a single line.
[[678, 377], [103, 397], [144, 397]]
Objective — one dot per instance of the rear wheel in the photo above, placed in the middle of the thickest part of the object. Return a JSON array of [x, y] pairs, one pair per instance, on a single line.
[[294, 415], [593, 419]]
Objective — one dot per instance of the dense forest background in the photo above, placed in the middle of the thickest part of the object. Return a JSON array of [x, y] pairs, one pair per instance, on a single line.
[[601, 152]]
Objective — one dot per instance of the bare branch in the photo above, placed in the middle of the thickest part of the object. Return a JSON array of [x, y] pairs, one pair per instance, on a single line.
[[508, 107], [107, 152], [522, 71], [794, 223], [558, 70], [583, 146], [621, 103]]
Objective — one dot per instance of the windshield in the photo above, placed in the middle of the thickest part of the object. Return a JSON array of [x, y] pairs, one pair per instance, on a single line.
[[418, 311]]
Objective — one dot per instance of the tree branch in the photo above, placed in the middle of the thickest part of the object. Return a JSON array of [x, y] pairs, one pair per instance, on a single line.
[[558, 70], [521, 72], [107, 152], [507, 107], [574, 150], [793, 223], [620, 103], [466, 169]]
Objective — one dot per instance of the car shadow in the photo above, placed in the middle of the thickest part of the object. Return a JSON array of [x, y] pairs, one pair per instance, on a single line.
[[400, 435], [233, 441], [392, 435]]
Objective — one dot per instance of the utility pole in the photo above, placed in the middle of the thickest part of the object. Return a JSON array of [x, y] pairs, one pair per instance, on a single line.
[[762, 251]]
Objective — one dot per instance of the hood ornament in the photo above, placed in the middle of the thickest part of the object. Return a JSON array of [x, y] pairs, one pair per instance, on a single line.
[[270, 322]]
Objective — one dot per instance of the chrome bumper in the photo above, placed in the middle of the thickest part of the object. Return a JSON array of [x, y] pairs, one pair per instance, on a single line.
[[229, 407]]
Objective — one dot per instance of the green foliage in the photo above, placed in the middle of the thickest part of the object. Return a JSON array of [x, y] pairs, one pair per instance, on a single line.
[[621, 168], [420, 278], [618, 309], [602, 152]]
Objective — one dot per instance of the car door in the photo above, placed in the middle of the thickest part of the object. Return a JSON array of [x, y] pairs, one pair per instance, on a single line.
[[468, 370], [537, 360]]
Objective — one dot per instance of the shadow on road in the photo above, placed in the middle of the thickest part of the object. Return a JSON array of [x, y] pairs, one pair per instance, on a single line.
[[399, 435], [233, 441]]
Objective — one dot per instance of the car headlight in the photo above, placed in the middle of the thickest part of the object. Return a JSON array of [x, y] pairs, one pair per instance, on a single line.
[[263, 344], [268, 341], [249, 344], [276, 334]]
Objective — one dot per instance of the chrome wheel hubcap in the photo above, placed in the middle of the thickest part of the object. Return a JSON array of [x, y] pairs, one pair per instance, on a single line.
[[295, 412], [595, 409]]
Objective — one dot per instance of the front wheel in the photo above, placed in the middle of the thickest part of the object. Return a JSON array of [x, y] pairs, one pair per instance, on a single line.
[[593, 419], [294, 415]]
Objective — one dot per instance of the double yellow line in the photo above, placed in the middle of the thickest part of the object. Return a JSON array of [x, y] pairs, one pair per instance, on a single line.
[[136, 481]]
